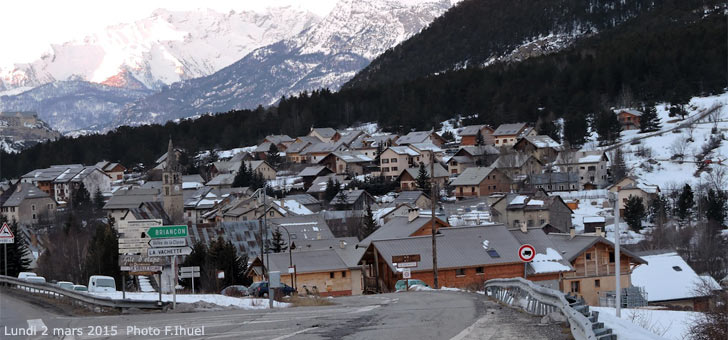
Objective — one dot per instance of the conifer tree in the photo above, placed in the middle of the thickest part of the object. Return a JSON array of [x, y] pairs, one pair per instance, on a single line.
[[273, 157], [332, 188], [715, 207], [619, 169], [369, 225], [649, 121], [98, 200], [103, 253], [685, 203], [81, 197], [479, 140], [607, 127], [341, 200], [634, 212], [242, 178], [423, 179], [277, 244], [575, 131]]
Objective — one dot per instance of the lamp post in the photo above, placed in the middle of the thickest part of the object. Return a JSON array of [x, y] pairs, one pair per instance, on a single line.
[[290, 255], [617, 255]]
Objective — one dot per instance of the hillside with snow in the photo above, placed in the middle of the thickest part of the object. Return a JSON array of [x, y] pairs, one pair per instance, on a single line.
[[166, 47]]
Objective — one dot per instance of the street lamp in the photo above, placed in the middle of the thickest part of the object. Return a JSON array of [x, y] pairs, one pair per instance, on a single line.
[[290, 255]]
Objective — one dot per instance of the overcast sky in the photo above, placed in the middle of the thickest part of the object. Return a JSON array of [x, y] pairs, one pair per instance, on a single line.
[[29, 26]]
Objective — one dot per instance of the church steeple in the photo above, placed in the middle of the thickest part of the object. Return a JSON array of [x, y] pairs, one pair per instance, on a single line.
[[172, 187]]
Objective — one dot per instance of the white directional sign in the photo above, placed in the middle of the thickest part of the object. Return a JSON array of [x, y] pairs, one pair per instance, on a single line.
[[141, 268], [6, 236], [406, 273], [167, 242], [406, 264], [169, 251], [189, 272]]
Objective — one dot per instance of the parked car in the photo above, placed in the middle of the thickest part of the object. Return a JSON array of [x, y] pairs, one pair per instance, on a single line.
[[101, 283], [402, 284], [65, 285], [36, 279], [80, 288], [25, 275], [235, 290], [260, 289]]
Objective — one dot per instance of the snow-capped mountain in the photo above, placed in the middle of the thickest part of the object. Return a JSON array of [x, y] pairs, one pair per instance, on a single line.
[[166, 47], [324, 55]]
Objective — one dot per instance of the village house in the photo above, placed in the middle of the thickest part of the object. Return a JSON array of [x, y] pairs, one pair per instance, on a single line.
[[207, 198], [417, 137], [468, 135], [118, 206], [516, 210], [349, 136], [518, 166], [352, 200], [222, 181], [592, 167], [480, 181], [395, 159], [43, 178], [509, 134], [593, 260], [319, 184], [594, 225], [295, 150], [352, 163], [68, 182], [314, 153], [542, 147], [467, 257], [322, 272], [631, 186], [553, 181], [302, 228], [369, 145], [413, 224], [670, 282], [248, 208], [470, 156], [232, 167], [281, 141], [310, 173], [427, 152], [114, 170], [629, 118], [326, 135], [311, 203], [414, 198], [28, 205], [408, 178]]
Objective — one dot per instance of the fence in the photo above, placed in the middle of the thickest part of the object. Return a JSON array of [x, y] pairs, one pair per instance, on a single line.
[[75, 297], [539, 300], [632, 297]]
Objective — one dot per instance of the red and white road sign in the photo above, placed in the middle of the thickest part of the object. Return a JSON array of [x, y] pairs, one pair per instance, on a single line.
[[6, 236], [526, 252]]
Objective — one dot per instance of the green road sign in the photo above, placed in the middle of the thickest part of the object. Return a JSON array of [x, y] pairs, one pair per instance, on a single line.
[[167, 231]]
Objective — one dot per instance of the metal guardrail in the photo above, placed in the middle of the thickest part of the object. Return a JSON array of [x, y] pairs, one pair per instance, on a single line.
[[53, 291], [539, 300]]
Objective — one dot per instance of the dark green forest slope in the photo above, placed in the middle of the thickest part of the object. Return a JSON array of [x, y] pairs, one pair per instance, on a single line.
[[671, 54]]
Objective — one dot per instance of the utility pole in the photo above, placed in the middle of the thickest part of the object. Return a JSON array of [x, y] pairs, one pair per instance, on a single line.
[[617, 262], [265, 229], [433, 200]]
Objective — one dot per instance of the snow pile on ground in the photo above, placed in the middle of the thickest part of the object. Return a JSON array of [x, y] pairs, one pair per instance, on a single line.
[[648, 324], [217, 299], [145, 285], [419, 288], [626, 235], [548, 263]]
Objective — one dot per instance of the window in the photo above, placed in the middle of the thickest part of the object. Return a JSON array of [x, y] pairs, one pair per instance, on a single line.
[[271, 213], [343, 274], [32, 207], [581, 167], [385, 169], [530, 223], [611, 257], [516, 223], [460, 272], [597, 283], [479, 270], [384, 160], [574, 286], [33, 216], [677, 268], [588, 256], [493, 253], [394, 160], [541, 221], [331, 275], [394, 168], [472, 189]]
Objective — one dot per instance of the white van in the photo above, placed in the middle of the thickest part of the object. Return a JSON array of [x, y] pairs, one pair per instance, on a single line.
[[25, 275], [100, 283], [36, 279]]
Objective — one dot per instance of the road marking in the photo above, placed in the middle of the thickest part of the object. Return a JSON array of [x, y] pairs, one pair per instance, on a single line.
[[294, 333], [38, 327]]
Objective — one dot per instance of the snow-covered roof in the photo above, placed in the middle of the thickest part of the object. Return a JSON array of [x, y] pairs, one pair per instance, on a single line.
[[590, 159], [630, 111], [520, 199], [548, 263], [594, 219], [404, 150], [509, 129], [668, 277], [542, 141]]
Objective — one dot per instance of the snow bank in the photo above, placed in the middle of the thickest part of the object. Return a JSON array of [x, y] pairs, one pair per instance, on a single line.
[[660, 324], [220, 300]]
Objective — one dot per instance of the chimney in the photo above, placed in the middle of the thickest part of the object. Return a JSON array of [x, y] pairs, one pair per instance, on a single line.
[[524, 228], [342, 244], [283, 204], [598, 231], [413, 214], [572, 232]]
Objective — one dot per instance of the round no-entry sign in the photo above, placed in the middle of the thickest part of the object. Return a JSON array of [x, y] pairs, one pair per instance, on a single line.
[[526, 252]]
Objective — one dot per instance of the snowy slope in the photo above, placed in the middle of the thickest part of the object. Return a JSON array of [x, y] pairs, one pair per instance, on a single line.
[[657, 166], [166, 47], [325, 55], [648, 324]]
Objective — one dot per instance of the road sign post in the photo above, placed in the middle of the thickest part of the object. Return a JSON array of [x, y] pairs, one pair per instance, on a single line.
[[190, 273], [171, 251], [526, 253], [6, 236]]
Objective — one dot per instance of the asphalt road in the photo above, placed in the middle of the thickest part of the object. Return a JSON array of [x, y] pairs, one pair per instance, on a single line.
[[412, 315]]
